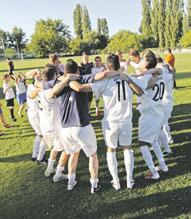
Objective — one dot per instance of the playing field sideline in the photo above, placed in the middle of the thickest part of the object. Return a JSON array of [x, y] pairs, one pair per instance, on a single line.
[[26, 193]]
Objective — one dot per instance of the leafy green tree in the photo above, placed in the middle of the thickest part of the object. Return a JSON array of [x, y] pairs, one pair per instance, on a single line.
[[99, 27], [154, 20], [189, 13], [86, 24], [168, 36], [185, 41], [3, 40], [185, 23], [104, 27], [77, 20], [146, 17], [161, 22], [50, 36]]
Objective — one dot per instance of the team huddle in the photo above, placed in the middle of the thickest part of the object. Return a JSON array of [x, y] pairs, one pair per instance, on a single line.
[[59, 97]]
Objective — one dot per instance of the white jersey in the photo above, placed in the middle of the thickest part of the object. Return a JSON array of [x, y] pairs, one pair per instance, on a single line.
[[136, 66], [152, 99], [117, 97], [8, 91], [49, 112], [96, 70], [32, 103], [124, 66], [20, 87]]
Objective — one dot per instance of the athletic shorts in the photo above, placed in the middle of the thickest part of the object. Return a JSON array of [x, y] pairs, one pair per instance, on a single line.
[[35, 123], [10, 102], [117, 134], [53, 139], [149, 126], [22, 98], [77, 138], [90, 96]]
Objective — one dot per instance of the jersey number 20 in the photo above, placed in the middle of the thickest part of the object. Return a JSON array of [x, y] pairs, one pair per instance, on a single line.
[[159, 91]]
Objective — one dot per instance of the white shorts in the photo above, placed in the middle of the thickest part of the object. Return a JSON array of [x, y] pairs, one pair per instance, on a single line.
[[54, 139], [35, 123], [115, 133], [149, 126], [77, 138]]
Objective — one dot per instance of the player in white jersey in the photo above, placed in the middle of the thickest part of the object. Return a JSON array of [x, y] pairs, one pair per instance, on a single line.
[[98, 67], [168, 106], [134, 60], [39, 148], [123, 63], [151, 119]]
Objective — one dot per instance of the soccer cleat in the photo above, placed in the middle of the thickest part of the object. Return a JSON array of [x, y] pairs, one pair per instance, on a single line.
[[14, 119], [130, 184], [34, 159], [116, 185], [151, 175], [171, 141], [59, 177], [167, 154], [43, 161], [49, 171], [71, 185], [162, 168], [94, 190]]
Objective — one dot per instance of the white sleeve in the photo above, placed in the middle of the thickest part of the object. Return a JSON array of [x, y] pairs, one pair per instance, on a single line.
[[134, 65], [141, 81], [5, 86], [98, 87], [47, 95]]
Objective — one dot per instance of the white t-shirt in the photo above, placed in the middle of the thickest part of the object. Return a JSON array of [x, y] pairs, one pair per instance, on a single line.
[[124, 66], [136, 66], [117, 97], [32, 103], [8, 91], [20, 88], [96, 70], [49, 112]]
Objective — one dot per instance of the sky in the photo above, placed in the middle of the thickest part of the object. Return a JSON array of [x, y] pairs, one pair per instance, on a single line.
[[120, 14]]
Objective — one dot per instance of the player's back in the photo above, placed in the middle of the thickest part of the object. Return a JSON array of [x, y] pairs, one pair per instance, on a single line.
[[32, 103], [117, 97]]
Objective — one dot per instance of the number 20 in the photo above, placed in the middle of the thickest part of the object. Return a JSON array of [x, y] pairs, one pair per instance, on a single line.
[[159, 91]]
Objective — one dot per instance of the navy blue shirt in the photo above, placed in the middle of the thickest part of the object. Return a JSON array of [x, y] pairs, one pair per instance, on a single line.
[[74, 107]]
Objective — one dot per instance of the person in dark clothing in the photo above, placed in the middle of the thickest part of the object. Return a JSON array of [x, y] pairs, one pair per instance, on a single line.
[[11, 67]]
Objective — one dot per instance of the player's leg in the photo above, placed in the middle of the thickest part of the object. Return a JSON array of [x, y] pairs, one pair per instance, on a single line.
[[163, 141], [51, 160], [60, 167], [5, 125], [97, 106], [42, 151], [10, 105], [36, 147]]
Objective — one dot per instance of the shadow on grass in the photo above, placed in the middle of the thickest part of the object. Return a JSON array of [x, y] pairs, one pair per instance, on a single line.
[[21, 69]]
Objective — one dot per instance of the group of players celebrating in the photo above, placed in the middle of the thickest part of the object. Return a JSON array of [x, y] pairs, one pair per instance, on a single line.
[[59, 97]]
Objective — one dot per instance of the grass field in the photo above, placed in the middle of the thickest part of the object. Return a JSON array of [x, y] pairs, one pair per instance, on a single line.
[[26, 193]]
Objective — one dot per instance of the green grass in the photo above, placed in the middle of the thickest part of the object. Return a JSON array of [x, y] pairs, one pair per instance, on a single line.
[[26, 193]]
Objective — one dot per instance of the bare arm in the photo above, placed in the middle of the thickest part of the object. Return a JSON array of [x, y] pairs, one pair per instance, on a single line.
[[137, 90], [105, 74], [33, 94], [153, 71], [80, 87]]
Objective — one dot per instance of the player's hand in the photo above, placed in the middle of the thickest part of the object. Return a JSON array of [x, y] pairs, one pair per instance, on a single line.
[[111, 74], [152, 82]]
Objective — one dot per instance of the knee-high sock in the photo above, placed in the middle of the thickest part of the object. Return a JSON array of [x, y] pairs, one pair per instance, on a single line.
[[129, 163], [163, 141], [11, 110], [148, 158], [158, 152], [36, 146], [166, 129], [51, 163], [42, 150], [112, 165], [59, 169]]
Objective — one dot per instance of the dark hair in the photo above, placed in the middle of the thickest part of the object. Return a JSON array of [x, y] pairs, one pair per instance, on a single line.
[[150, 59], [97, 57], [84, 53], [71, 66], [169, 50], [159, 59], [114, 61], [134, 52], [8, 59], [6, 76], [53, 57], [49, 72]]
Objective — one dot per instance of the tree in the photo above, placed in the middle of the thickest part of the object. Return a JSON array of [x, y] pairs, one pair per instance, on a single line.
[[161, 23], [146, 17], [104, 27], [3, 40], [99, 27], [77, 20], [16, 39], [185, 23], [50, 36], [186, 39], [86, 24], [168, 36], [154, 20], [189, 13]]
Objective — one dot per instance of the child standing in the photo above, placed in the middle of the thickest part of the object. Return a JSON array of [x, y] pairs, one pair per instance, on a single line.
[[9, 95], [21, 92]]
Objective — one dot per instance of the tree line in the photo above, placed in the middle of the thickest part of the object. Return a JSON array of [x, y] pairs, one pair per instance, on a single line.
[[164, 24]]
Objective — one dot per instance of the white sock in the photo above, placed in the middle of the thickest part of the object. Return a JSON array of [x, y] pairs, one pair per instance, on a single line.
[[166, 129], [112, 165], [59, 169], [71, 178], [148, 158], [129, 163], [51, 163], [36, 146], [158, 152], [163, 141], [94, 182], [42, 150]]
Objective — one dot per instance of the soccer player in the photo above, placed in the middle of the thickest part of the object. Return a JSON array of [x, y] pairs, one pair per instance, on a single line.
[[2, 119], [9, 95], [151, 119], [11, 67], [85, 68], [54, 60], [134, 60], [98, 67], [123, 63]]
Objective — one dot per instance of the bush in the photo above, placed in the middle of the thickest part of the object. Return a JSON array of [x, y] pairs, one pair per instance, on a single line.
[[185, 41]]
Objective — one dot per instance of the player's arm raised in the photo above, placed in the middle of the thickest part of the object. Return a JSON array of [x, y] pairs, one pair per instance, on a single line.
[[137, 90], [60, 86], [75, 85], [105, 74]]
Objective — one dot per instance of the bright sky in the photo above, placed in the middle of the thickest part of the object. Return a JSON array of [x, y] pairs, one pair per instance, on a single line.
[[120, 14]]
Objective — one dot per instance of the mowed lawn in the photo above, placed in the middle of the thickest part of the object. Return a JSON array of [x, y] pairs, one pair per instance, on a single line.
[[26, 193]]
